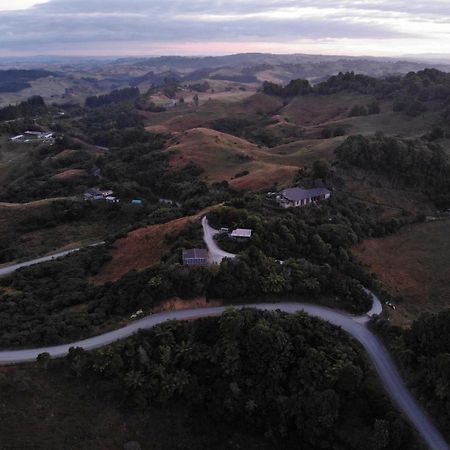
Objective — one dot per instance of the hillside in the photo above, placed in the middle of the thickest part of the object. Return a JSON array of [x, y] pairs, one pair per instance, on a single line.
[[225, 157]]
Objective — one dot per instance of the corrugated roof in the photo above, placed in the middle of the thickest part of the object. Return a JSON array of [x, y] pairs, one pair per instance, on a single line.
[[241, 232], [195, 253], [296, 194]]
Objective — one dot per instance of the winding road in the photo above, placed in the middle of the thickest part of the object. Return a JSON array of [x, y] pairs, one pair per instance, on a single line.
[[356, 326]]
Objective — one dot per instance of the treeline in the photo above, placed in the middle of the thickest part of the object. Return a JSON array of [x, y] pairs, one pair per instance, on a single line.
[[14, 80], [292, 89], [291, 378], [115, 96], [34, 106], [414, 163], [255, 130], [410, 93]]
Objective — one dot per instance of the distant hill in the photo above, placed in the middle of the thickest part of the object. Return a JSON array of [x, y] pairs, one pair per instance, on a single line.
[[16, 80], [264, 66]]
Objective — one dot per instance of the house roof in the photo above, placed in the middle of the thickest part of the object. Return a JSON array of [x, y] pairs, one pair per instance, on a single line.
[[195, 253], [296, 194], [241, 232]]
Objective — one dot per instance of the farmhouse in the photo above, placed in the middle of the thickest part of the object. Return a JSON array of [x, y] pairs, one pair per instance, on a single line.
[[28, 136], [98, 194], [195, 257], [241, 233], [295, 197]]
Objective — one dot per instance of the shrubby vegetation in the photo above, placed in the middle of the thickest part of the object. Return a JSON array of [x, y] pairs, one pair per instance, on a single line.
[[115, 96], [33, 106], [291, 377], [254, 130]]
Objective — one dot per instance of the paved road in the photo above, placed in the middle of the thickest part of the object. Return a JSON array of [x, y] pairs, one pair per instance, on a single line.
[[215, 253], [7, 270], [375, 350], [355, 326]]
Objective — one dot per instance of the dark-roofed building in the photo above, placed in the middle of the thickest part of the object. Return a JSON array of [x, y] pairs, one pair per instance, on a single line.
[[296, 197], [195, 257]]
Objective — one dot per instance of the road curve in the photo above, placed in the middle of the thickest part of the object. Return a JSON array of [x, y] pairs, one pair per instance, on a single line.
[[377, 353], [355, 326], [215, 253]]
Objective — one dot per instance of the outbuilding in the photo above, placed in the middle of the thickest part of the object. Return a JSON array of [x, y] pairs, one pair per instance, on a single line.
[[241, 233], [195, 257]]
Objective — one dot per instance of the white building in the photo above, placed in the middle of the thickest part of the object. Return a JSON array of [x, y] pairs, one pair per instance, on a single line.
[[241, 233]]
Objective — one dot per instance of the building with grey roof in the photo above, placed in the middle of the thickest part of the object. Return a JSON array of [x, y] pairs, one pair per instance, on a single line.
[[296, 197], [195, 257]]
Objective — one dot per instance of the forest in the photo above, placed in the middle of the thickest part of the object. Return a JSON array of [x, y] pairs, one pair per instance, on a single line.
[[422, 352], [14, 80], [291, 378], [416, 164]]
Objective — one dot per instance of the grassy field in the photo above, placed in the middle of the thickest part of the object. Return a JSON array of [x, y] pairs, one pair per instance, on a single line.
[[141, 248], [413, 264], [223, 156]]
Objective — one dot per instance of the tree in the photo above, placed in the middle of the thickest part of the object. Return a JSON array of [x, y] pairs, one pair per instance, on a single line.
[[196, 100], [43, 359], [320, 169]]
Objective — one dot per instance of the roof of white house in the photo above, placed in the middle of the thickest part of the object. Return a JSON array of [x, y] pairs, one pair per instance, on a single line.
[[241, 233], [296, 194]]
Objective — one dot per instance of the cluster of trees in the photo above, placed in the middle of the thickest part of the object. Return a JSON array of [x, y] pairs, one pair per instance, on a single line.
[[413, 163], [15, 80], [34, 106], [115, 96], [253, 129], [422, 351], [292, 378], [292, 89], [410, 93], [329, 132], [200, 87], [315, 245], [358, 110], [37, 307], [425, 354]]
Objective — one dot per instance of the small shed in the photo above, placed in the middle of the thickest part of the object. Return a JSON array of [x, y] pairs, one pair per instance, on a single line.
[[136, 202], [195, 257], [241, 233]]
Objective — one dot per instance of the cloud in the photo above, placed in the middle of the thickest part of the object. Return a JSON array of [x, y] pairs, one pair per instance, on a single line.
[[60, 24]]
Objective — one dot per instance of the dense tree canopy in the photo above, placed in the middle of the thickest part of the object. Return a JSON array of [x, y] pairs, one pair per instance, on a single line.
[[294, 378]]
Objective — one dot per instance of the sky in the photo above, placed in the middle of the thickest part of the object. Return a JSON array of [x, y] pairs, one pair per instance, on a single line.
[[216, 27]]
